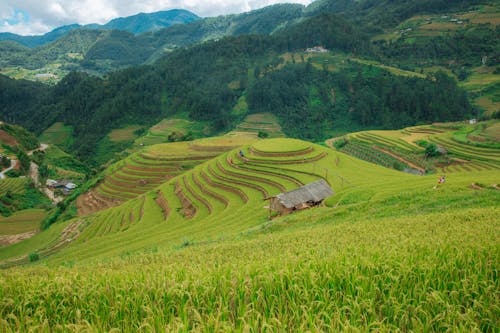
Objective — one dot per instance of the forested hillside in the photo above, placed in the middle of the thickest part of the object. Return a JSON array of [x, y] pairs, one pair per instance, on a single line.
[[206, 82], [98, 50], [265, 69]]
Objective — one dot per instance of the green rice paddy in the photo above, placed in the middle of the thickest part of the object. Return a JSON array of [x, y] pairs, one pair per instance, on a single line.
[[387, 252]]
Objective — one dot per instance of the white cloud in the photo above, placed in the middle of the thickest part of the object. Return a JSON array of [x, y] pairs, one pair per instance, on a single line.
[[48, 14]]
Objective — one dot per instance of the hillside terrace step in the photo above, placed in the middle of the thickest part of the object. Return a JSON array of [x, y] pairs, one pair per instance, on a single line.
[[258, 188], [197, 196], [249, 176], [263, 172], [295, 161], [219, 149], [178, 158], [208, 192], [188, 209], [224, 187], [257, 152]]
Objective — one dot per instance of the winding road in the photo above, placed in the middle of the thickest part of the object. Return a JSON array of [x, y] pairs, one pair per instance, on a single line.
[[13, 164]]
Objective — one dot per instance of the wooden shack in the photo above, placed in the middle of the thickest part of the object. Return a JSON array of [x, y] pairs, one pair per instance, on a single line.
[[304, 197]]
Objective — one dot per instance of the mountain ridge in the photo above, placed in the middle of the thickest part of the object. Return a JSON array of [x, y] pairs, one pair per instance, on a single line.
[[136, 24]]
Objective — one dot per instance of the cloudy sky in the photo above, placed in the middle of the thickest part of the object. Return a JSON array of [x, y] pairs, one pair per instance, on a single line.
[[32, 17]]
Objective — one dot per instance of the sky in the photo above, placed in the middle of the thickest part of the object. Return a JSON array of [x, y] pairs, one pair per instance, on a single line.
[[34, 17]]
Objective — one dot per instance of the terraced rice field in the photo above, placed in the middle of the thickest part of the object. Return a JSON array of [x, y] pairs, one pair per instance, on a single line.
[[22, 221], [388, 148], [57, 134], [198, 253], [13, 185], [159, 133], [215, 195], [154, 165], [469, 157], [261, 122], [124, 134]]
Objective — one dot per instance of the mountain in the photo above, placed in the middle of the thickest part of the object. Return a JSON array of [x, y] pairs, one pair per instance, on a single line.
[[99, 51], [143, 22], [34, 41], [135, 24]]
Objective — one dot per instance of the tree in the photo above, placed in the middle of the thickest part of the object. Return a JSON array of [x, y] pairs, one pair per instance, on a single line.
[[431, 150]]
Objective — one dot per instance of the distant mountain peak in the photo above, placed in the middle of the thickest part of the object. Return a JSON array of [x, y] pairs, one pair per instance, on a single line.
[[145, 22], [136, 24]]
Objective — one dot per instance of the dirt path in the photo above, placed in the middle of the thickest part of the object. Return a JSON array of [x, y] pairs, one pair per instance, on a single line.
[[42, 147], [399, 158], [34, 173], [13, 164], [34, 176]]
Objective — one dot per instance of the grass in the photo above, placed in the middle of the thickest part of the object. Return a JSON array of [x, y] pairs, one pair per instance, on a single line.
[[159, 133], [386, 252], [281, 145], [63, 165], [480, 77], [50, 73], [22, 221], [57, 134], [426, 272], [391, 69], [261, 122], [127, 133], [439, 24]]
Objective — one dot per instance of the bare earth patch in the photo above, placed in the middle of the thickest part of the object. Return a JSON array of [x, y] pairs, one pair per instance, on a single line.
[[7, 240]]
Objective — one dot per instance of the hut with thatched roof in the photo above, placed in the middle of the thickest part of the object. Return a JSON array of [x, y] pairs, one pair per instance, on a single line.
[[304, 197]]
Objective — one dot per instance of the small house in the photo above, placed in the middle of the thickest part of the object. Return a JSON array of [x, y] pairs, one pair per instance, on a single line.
[[51, 183], [316, 49], [70, 186], [304, 197]]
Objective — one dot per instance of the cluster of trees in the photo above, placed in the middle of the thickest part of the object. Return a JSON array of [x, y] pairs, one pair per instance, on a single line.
[[310, 102]]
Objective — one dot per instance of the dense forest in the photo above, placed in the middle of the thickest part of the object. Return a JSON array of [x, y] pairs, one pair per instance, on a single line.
[[310, 102]]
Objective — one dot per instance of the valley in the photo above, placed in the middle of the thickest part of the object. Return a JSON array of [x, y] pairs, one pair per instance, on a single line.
[[330, 167]]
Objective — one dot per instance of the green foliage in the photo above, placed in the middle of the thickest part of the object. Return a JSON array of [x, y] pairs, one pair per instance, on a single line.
[[23, 160], [422, 143], [262, 134], [300, 96], [200, 80], [43, 171], [178, 136], [18, 194], [34, 257], [26, 139], [431, 150], [56, 158], [341, 142]]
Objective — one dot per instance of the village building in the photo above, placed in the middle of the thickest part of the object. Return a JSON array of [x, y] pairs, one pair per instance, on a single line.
[[65, 185], [51, 183], [304, 197], [316, 49]]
